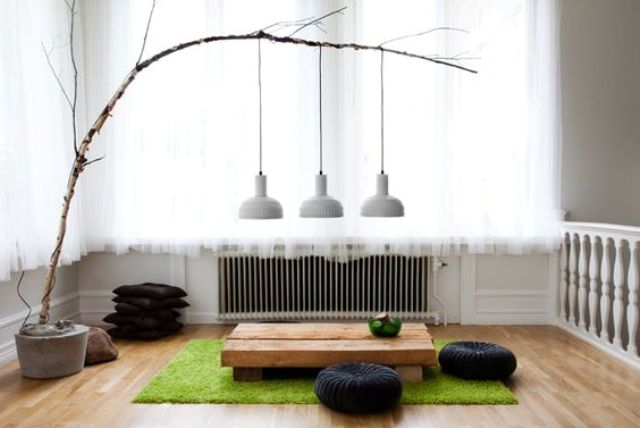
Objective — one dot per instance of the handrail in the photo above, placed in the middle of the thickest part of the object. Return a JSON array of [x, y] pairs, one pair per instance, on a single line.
[[600, 285], [601, 227]]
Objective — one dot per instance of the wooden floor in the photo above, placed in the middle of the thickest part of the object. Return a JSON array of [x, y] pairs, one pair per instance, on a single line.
[[560, 381]]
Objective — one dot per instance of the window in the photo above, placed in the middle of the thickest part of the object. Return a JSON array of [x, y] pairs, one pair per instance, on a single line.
[[473, 157]]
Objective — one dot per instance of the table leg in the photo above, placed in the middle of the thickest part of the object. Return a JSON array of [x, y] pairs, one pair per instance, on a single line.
[[410, 373], [244, 374]]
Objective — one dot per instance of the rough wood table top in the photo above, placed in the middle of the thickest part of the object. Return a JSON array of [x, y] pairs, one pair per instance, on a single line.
[[321, 345]]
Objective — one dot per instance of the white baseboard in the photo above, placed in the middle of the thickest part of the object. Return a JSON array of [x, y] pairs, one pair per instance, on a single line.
[[202, 318], [93, 317], [95, 305], [511, 317], [7, 352], [610, 350], [63, 307], [507, 307]]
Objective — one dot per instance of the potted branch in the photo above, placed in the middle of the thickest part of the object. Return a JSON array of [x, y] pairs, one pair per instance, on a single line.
[[47, 350], [55, 349]]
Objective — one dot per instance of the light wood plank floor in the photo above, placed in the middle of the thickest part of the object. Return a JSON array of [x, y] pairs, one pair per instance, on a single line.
[[560, 381]]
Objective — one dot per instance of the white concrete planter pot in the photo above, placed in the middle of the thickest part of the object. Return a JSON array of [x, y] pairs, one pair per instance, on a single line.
[[53, 356]]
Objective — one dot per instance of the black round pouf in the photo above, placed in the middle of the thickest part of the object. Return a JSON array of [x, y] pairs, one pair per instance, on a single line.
[[358, 387], [477, 360]]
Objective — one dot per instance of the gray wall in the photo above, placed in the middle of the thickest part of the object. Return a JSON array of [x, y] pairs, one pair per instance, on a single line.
[[600, 63], [64, 303], [31, 289], [498, 289]]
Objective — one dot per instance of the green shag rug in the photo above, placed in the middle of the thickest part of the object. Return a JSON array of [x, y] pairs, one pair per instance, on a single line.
[[195, 376]]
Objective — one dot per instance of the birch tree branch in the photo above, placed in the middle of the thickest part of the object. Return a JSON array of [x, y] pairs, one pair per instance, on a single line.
[[261, 35], [317, 21], [423, 33], [80, 161], [74, 103], [146, 32], [72, 99], [47, 56]]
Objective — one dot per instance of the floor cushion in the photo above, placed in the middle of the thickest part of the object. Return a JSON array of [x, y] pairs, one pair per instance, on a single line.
[[144, 322], [477, 360], [172, 326], [159, 314], [150, 304], [358, 387], [126, 332], [148, 289]]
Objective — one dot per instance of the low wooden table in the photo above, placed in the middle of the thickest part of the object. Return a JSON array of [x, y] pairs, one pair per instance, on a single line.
[[253, 347]]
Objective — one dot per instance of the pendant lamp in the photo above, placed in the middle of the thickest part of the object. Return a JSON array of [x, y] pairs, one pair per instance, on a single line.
[[321, 205], [382, 204], [260, 206]]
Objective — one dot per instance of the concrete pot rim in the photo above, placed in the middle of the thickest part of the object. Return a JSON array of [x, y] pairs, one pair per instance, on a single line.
[[79, 329]]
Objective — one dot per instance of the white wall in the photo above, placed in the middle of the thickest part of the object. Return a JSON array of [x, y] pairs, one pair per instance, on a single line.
[[64, 304], [100, 273], [508, 289], [600, 63], [475, 289]]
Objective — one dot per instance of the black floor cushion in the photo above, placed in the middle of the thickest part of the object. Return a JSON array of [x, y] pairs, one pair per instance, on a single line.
[[149, 304], [477, 360], [126, 332], [358, 387], [148, 289]]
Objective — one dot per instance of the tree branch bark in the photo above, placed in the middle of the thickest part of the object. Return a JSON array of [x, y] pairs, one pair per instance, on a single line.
[[80, 161]]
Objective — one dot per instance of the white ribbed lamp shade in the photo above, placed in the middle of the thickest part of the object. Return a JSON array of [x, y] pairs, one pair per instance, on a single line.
[[321, 205], [382, 204], [260, 207]]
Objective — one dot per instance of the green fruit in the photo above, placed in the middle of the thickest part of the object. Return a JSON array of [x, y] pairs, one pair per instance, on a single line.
[[390, 329], [386, 328]]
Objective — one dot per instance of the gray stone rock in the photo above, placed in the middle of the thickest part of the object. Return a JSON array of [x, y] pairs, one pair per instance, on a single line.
[[100, 348]]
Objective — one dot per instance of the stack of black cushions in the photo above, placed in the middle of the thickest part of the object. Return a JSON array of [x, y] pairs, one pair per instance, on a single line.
[[146, 311]]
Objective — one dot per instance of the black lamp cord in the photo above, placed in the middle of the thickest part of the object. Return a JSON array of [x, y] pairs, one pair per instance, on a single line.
[[260, 100], [320, 100], [320, 104], [381, 112]]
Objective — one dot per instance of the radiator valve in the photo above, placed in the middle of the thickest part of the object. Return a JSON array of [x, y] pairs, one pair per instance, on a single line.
[[439, 264]]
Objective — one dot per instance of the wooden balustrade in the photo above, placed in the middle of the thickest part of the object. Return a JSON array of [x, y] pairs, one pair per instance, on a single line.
[[599, 285]]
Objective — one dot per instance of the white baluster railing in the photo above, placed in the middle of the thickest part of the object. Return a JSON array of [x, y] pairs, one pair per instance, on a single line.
[[599, 286], [573, 277], [618, 287], [605, 293], [632, 306], [584, 281], [594, 276], [564, 277]]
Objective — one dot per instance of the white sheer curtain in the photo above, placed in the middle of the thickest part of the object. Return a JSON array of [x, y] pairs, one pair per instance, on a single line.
[[473, 157], [36, 149]]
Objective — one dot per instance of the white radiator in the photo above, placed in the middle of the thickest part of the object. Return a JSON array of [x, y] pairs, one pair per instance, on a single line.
[[317, 288]]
